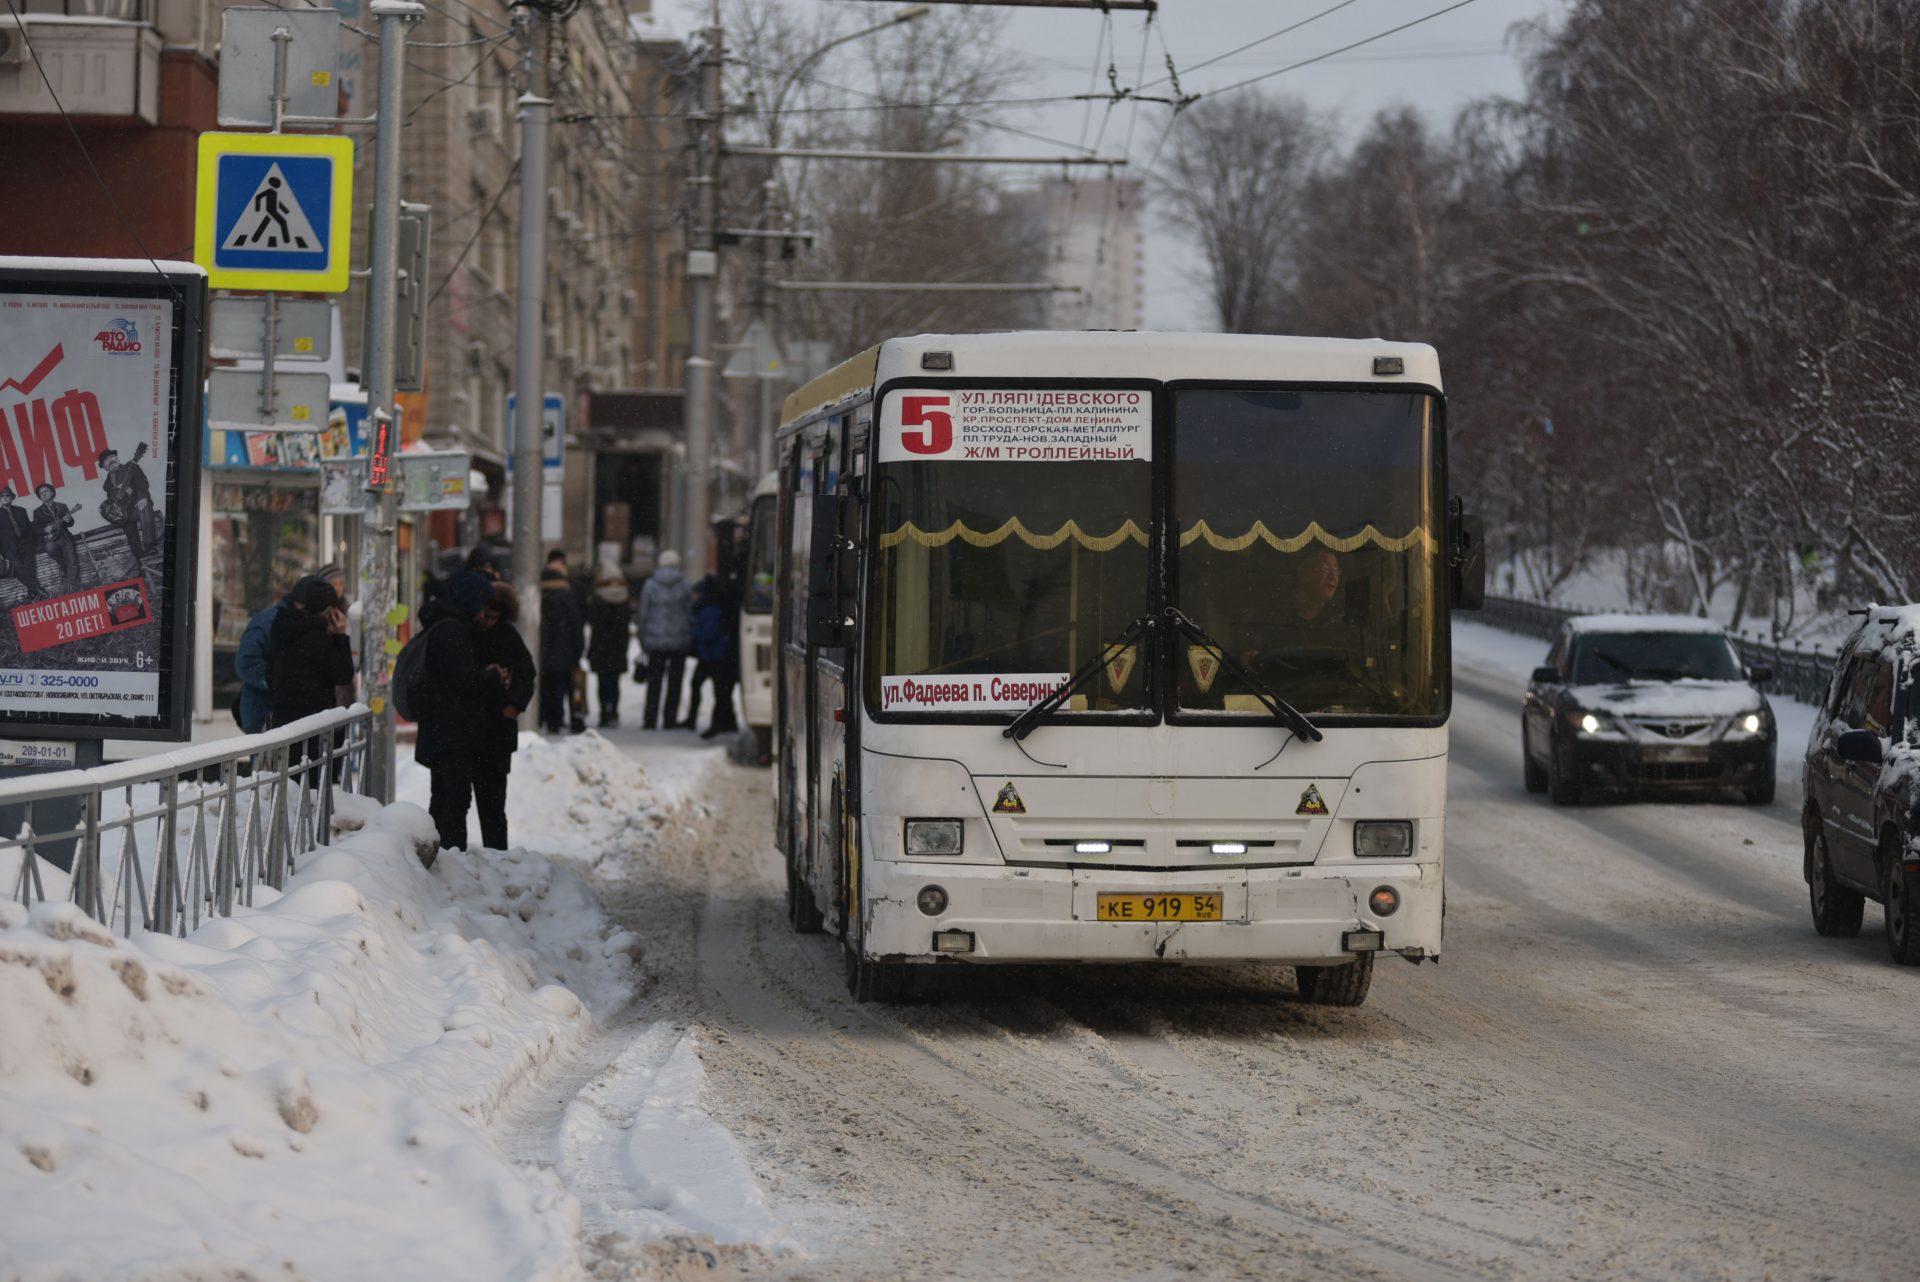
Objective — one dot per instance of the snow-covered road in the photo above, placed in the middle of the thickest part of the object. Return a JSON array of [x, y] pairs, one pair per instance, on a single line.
[[1636, 1061]]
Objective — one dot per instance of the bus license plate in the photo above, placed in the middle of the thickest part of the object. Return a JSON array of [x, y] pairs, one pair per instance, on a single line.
[[1159, 907]]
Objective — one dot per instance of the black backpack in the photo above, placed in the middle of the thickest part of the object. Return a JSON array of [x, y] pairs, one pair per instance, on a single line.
[[412, 684]]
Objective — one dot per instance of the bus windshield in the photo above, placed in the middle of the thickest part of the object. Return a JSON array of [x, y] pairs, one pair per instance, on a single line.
[[994, 581], [1308, 546]]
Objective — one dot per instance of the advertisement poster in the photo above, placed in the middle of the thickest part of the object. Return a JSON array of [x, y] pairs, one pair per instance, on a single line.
[[88, 431], [1016, 424]]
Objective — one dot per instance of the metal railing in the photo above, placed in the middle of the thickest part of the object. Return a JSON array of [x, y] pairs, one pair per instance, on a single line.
[[1798, 674], [211, 822]]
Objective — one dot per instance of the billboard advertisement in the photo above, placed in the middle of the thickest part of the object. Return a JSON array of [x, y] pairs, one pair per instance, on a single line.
[[100, 375]]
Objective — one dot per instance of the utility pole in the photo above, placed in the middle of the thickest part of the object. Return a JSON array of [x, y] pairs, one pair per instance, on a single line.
[[530, 376], [702, 269], [379, 513]]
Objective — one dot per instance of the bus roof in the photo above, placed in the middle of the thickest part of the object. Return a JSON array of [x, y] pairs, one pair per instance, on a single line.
[[1121, 354]]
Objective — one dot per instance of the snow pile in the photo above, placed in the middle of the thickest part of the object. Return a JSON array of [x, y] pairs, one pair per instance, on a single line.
[[296, 1091], [578, 797]]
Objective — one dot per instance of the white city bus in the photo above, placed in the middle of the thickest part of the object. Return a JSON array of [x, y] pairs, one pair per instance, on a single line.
[[1113, 647], [756, 613]]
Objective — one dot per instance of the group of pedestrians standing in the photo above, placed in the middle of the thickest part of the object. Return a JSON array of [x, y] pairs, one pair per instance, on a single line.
[[678, 621]]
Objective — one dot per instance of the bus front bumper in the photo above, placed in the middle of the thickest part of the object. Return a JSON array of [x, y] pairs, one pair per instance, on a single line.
[[1305, 915]]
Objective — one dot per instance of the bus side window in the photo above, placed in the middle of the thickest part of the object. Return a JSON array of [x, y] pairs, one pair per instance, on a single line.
[[799, 543]]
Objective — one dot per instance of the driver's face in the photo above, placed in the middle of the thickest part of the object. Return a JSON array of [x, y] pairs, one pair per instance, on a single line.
[[1322, 576]]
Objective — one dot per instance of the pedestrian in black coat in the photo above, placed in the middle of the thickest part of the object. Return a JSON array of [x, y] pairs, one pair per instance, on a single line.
[[308, 657], [610, 616], [563, 640], [498, 648], [461, 709]]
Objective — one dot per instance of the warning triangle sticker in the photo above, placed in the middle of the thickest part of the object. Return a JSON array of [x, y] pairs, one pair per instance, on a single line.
[[273, 219], [1205, 663]]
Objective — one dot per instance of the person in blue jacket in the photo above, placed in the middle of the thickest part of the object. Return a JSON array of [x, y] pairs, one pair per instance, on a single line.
[[713, 626], [255, 708]]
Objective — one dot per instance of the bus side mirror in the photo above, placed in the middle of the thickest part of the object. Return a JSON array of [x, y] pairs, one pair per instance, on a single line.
[[1466, 557], [833, 570]]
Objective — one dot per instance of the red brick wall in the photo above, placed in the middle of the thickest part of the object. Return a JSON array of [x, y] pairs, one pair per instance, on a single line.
[[52, 203]]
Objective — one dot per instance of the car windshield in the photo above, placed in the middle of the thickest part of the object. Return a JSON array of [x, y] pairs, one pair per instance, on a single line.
[[1603, 657], [1011, 575], [1308, 546]]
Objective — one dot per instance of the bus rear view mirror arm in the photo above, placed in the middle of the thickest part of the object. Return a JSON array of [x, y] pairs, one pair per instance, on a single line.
[[1466, 557]]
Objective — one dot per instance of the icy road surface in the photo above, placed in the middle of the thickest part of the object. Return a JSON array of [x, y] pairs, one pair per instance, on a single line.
[[1637, 1061]]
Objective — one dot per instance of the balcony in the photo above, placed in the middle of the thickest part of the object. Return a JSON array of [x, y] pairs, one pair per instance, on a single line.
[[102, 57]]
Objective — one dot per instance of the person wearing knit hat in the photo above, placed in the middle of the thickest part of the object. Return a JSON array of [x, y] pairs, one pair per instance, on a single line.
[[610, 621], [666, 633]]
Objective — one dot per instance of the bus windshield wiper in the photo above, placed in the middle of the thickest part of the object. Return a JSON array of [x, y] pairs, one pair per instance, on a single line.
[[1023, 725], [1283, 712]]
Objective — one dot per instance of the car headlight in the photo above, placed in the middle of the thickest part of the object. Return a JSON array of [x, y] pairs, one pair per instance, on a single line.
[[1383, 838], [1593, 722], [1749, 723], [935, 836]]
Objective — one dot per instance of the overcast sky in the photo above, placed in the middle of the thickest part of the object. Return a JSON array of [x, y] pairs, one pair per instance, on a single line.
[[1437, 66]]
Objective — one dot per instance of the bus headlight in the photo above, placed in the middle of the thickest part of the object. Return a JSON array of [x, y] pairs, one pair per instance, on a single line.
[[1383, 839], [1384, 901], [934, 836], [932, 900]]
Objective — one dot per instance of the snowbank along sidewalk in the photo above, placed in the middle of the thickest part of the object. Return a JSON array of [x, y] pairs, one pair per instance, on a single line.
[[298, 1090]]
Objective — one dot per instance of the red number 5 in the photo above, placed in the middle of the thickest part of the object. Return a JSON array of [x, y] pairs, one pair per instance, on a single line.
[[920, 411]]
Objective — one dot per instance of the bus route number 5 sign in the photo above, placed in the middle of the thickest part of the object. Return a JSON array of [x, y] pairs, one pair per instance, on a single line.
[[926, 424]]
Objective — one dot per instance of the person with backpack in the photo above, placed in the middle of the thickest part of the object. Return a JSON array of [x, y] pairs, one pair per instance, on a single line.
[[563, 640], [499, 649], [454, 699], [666, 631], [610, 621]]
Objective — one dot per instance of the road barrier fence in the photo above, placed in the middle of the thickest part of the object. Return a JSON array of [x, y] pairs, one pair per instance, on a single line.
[[1797, 674], [165, 842]]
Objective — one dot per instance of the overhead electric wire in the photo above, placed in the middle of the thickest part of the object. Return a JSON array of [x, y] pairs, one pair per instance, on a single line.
[[1251, 44], [474, 239], [1306, 62]]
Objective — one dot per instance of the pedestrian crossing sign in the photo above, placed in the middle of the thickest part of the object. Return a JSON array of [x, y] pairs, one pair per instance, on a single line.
[[274, 211]]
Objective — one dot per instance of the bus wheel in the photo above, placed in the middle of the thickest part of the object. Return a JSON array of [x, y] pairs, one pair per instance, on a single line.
[[1336, 985], [802, 912], [872, 981]]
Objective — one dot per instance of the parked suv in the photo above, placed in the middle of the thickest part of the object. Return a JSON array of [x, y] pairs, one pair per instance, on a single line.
[[1863, 784], [1638, 701]]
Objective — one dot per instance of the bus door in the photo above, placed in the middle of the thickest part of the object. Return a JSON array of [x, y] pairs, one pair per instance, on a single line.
[[836, 793], [796, 719], [826, 690]]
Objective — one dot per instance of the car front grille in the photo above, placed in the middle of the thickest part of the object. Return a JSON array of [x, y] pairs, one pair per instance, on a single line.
[[1673, 727]]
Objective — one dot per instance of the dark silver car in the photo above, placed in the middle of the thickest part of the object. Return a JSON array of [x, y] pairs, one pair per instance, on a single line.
[[1632, 702]]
